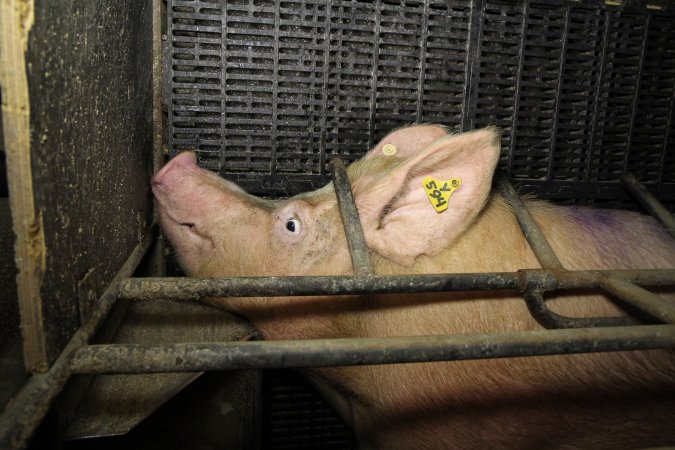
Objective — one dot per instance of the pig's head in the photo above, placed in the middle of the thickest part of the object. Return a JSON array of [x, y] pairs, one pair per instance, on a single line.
[[219, 230]]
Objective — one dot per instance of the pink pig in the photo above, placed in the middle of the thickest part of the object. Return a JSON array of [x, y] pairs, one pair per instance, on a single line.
[[611, 400]]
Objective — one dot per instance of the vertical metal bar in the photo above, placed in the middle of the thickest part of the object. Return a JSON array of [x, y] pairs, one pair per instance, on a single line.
[[519, 82], [666, 139], [606, 36], [472, 63], [324, 88], [650, 202], [377, 14], [350, 219], [423, 61], [542, 249], [558, 94], [636, 95], [275, 93], [225, 97]]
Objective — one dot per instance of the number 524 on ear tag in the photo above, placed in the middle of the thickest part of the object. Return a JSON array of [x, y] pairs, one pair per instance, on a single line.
[[439, 192]]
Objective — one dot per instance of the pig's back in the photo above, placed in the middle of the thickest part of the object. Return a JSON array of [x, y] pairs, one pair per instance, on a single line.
[[591, 238]]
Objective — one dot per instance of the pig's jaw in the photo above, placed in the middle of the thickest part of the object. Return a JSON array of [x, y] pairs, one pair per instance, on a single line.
[[186, 228], [191, 245]]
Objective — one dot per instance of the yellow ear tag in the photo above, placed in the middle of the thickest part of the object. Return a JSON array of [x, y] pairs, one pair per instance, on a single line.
[[439, 192], [389, 149]]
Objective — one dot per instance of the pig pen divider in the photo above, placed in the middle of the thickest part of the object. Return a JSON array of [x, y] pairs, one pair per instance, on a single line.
[[27, 410]]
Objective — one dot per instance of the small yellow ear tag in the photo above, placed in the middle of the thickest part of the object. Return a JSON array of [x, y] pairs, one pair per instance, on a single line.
[[389, 149], [439, 192]]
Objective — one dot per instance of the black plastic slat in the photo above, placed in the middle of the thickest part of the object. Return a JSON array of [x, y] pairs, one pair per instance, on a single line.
[[267, 92]]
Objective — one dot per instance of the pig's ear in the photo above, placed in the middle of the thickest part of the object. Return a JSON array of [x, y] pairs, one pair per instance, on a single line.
[[406, 142], [400, 210]]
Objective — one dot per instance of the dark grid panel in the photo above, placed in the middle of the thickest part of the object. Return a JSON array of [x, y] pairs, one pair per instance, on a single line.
[[668, 168], [196, 96], [296, 417], [581, 68], [300, 101], [654, 107], [268, 92], [499, 70], [402, 40], [352, 60], [250, 46], [617, 96], [444, 70], [539, 82]]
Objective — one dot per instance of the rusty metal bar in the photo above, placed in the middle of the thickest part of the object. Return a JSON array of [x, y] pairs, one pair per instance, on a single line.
[[183, 288], [540, 246], [636, 296], [650, 202], [652, 304], [26, 410], [590, 278], [196, 288], [360, 351], [350, 219], [549, 319]]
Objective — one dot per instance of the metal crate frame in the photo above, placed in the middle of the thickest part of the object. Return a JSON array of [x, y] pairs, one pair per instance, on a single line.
[[569, 335]]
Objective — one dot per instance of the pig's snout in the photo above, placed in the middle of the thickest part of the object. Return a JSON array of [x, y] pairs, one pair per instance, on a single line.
[[186, 161]]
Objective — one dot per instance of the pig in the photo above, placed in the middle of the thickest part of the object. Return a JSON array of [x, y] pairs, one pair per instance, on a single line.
[[609, 400]]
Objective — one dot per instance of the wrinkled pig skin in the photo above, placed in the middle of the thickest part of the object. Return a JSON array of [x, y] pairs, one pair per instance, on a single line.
[[611, 400]]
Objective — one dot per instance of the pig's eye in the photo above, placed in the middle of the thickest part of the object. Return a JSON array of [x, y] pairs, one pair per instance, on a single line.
[[293, 225]]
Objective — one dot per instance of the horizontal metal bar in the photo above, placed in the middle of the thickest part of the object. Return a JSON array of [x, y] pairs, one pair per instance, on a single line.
[[538, 242], [650, 202], [25, 412], [348, 352], [196, 288], [356, 240]]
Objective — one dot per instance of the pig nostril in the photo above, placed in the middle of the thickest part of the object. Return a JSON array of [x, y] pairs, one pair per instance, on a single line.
[[190, 225]]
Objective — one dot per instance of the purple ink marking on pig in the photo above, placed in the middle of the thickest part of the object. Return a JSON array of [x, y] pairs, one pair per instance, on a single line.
[[619, 233], [592, 218]]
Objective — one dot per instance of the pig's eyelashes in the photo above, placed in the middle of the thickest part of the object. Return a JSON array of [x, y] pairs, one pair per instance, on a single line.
[[293, 225]]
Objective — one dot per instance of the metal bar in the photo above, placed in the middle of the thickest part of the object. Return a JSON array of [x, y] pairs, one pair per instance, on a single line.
[[540, 246], [183, 288], [634, 295], [620, 283], [590, 278], [350, 219], [552, 320], [25, 412], [651, 303], [360, 351], [650, 202], [196, 288]]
